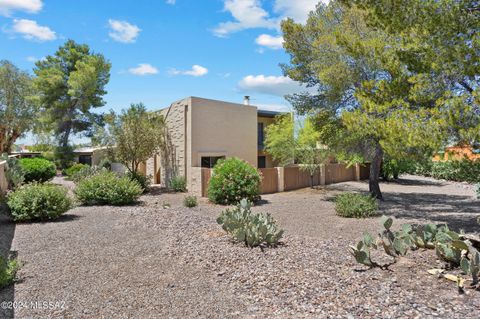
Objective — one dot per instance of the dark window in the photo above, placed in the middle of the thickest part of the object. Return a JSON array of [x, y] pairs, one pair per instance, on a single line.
[[260, 135], [85, 159], [262, 162], [210, 161]]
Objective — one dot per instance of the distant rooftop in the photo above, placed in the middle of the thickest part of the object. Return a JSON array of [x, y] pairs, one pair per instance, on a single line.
[[271, 114]]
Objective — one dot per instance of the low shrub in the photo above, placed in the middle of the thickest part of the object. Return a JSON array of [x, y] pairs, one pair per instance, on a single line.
[[392, 168], [8, 271], [142, 180], [477, 190], [107, 188], [190, 201], [75, 168], [355, 205], [105, 163], [233, 180], [459, 171], [85, 172], [178, 184], [37, 169], [38, 202], [251, 229]]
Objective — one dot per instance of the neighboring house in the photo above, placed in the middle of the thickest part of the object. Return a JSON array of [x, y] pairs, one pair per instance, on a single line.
[[202, 131], [83, 155], [459, 152]]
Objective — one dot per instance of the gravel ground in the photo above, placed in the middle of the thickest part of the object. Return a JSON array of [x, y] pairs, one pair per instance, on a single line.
[[149, 262]]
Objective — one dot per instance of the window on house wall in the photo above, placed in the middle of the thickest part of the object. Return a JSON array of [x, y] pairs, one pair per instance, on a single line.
[[260, 136], [210, 161], [262, 162], [85, 159]]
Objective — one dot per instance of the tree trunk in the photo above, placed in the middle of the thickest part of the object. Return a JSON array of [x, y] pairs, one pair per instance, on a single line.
[[311, 180], [375, 168]]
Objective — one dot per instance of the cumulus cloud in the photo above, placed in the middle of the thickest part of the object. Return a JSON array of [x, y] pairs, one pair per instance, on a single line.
[[274, 85], [122, 31], [143, 69], [248, 14], [298, 10], [197, 70], [30, 6], [31, 30], [269, 41]]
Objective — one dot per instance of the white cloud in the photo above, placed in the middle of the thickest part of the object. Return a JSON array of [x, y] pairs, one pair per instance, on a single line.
[[298, 10], [31, 30], [274, 85], [248, 14], [274, 107], [122, 31], [197, 70], [269, 41], [143, 69], [32, 59], [9, 6], [171, 1]]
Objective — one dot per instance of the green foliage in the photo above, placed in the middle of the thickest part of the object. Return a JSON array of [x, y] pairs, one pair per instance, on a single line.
[[37, 169], [190, 201], [107, 188], [460, 171], [8, 271], [251, 229], [477, 190], [13, 171], [355, 205], [471, 264], [280, 140], [393, 168], [232, 180], [87, 171], [105, 163], [138, 135], [178, 184], [142, 180], [38, 202], [72, 170], [18, 112], [70, 83]]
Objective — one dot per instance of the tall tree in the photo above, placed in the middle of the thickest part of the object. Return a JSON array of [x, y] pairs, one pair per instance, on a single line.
[[362, 88], [138, 136], [71, 82], [17, 110]]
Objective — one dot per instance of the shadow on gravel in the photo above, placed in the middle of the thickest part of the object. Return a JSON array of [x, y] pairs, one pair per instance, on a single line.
[[62, 219], [7, 231], [459, 212], [415, 182]]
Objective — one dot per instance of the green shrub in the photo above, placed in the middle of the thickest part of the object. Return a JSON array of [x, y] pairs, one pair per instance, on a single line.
[[105, 163], [392, 168], [8, 271], [251, 229], [37, 169], [233, 180], [190, 201], [107, 188], [38, 202], [178, 184], [459, 171], [477, 190], [142, 180], [72, 170], [14, 172], [355, 205], [87, 171]]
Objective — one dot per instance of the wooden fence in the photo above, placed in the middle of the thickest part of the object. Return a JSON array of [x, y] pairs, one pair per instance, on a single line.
[[279, 179]]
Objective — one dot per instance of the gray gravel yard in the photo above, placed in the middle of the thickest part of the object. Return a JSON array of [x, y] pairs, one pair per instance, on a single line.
[[146, 261]]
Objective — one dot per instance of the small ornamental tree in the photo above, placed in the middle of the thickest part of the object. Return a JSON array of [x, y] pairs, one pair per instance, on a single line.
[[233, 180]]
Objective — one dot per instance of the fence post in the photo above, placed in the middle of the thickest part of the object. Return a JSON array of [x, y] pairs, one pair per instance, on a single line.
[[322, 174], [281, 178], [357, 172]]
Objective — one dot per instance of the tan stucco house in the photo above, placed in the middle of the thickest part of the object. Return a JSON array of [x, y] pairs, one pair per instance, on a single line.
[[202, 131]]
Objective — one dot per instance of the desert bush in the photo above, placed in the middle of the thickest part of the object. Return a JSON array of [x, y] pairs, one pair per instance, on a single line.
[[105, 163], [85, 172], [37, 169], [355, 205], [8, 271], [392, 168], [251, 229], [14, 172], [107, 188], [233, 180], [34, 201], [178, 184], [142, 180], [72, 170], [460, 171], [190, 201]]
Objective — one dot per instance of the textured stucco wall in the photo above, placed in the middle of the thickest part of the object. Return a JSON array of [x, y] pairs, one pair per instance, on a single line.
[[195, 181]]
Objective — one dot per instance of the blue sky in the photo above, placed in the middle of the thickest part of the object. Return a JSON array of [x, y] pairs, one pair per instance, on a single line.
[[163, 50]]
